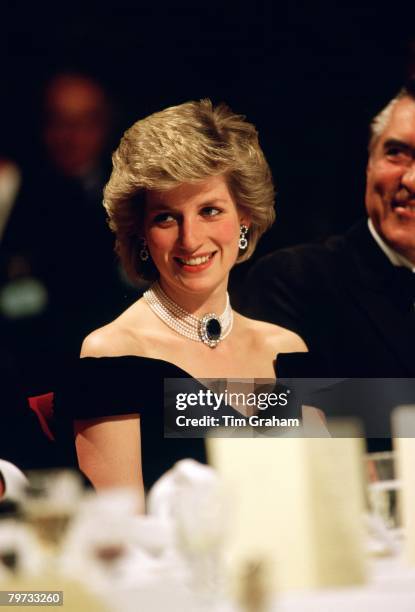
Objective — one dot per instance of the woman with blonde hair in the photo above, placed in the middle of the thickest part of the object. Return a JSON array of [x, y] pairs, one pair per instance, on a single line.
[[189, 196]]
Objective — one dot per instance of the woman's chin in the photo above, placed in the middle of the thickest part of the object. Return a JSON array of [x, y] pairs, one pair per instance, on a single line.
[[205, 283], [198, 285]]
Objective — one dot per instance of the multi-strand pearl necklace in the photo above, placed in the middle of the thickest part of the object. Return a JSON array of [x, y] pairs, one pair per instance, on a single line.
[[210, 329]]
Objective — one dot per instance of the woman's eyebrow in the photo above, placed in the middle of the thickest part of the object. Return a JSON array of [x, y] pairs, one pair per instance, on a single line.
[[212, 202], [159, 206]]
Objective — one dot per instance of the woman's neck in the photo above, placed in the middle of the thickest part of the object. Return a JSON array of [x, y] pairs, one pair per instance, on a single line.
[[197, 303]]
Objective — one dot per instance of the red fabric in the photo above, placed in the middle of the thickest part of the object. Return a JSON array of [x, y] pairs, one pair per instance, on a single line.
[[42, 406]]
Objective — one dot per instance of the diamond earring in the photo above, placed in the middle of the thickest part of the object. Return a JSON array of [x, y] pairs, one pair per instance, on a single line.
[[144, 254], [243, 242]]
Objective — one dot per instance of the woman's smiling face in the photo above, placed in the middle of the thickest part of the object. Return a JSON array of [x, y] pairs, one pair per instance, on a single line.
[[192, 232]]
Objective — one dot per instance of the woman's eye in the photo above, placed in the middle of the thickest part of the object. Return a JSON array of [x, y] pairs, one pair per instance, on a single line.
[[163, 218], [210, 211]]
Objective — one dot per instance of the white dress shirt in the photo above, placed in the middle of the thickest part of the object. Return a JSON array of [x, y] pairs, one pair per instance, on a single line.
[[395, 258]]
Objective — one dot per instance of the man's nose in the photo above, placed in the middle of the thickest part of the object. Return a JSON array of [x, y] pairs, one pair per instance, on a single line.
[[408, 178], [190, 237]]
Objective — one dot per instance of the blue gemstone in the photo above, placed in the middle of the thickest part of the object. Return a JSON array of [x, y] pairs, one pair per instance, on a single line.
[[213, 329]]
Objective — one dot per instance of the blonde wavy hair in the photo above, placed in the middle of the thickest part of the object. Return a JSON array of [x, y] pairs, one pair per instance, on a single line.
[[185, 144]]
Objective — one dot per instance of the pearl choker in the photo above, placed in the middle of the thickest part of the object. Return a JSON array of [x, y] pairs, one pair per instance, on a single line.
[[210, 329]]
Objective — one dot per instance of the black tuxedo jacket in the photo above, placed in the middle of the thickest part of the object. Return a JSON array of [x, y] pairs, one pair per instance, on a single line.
[[352, 307], [355, 311]]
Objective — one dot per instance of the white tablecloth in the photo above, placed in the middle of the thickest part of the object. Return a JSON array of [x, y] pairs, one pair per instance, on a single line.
[[390, 588]]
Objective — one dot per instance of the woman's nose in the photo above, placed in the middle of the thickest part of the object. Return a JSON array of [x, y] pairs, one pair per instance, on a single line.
[[190, 236]]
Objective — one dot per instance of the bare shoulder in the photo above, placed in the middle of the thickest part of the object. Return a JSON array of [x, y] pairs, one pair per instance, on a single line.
[[120, 337], [103, 342], [276, 337]]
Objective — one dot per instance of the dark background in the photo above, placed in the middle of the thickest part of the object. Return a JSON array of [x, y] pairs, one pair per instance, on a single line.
[[310, 75]]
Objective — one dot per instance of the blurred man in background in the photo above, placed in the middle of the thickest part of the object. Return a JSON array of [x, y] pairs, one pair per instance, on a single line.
[[76, 130], [58, 273]]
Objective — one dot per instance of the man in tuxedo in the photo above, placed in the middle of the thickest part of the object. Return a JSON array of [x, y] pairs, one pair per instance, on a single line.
[[352, 297]]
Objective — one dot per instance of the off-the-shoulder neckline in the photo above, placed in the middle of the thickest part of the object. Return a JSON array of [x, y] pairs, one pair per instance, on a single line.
[[141, 357], [154, 360]]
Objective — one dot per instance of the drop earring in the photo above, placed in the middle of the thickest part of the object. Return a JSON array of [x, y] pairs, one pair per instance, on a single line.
[[243, 242]]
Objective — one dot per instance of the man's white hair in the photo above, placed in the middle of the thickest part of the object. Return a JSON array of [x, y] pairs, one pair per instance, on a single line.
[[380, 121]]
